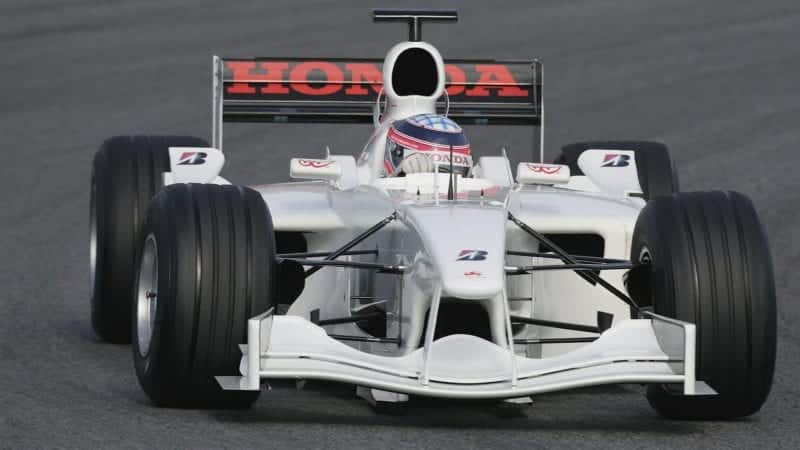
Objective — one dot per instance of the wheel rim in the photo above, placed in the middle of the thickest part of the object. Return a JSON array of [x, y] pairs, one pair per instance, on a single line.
[[93, 235], [147, 295], [644, 256]]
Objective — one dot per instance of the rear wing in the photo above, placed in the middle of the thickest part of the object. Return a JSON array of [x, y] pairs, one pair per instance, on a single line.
[[295, 90]]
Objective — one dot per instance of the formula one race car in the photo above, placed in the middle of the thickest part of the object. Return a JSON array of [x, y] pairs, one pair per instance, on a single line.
[[414, 270]]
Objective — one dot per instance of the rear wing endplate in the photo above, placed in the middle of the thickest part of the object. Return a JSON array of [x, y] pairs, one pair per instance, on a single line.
[[295, 90]]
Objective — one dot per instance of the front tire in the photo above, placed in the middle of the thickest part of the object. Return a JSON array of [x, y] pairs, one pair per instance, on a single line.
[[207, 265], [709, 264]]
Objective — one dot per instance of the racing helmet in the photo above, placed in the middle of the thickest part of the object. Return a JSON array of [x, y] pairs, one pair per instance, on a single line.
[[431, 135]]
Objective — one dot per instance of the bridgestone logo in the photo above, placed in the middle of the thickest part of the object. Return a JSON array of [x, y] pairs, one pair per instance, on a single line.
[[615, 160], [472, 255], [192, 158]]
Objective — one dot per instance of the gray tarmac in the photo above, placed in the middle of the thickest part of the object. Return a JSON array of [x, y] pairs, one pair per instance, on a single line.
[[718, 81]]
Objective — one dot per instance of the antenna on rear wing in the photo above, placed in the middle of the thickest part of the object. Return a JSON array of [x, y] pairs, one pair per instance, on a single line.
[[414, 18]]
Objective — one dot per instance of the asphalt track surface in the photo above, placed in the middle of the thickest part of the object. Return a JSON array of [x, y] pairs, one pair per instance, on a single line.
[[716, 80]]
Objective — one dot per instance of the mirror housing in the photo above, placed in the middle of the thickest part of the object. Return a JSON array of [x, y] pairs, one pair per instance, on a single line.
[[538, 173], [315, 169]]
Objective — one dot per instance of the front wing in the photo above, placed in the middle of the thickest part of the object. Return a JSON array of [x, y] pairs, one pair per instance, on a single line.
[[652, 350]]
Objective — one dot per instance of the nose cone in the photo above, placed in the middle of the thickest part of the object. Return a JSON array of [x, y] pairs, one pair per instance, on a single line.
[[466, 245]]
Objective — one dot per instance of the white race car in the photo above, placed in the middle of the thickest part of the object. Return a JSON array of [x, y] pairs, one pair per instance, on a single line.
[[488, 283]]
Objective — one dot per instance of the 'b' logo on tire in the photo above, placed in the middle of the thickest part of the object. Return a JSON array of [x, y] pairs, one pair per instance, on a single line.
[[192, 158], [615, 160]]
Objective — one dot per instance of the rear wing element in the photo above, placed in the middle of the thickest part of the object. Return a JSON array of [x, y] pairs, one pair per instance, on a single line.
[[345, 91]]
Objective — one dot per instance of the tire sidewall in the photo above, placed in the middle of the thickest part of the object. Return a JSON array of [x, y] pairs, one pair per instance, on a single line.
[[151, 366], [101, 308], [661, 296]]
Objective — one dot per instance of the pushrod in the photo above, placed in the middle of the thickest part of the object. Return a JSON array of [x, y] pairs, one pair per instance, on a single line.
[[357, 240], [589, 276]]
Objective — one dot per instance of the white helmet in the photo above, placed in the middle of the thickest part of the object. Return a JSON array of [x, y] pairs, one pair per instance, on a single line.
[[419, 143]]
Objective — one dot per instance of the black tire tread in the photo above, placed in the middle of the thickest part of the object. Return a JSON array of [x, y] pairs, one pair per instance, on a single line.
[[127, 170], [712, 267], [226, 232]]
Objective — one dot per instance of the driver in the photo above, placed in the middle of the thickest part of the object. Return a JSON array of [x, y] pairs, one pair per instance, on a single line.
[[421, 143]]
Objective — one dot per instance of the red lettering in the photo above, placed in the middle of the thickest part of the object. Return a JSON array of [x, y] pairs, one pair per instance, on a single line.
[[495, 76], [455, 79], [333, 78], [360, 73], [243, 73]]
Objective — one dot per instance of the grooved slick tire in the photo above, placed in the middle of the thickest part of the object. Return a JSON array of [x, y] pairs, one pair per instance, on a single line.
[[206, 266], [710, 265], [657, 175], [126, 174]]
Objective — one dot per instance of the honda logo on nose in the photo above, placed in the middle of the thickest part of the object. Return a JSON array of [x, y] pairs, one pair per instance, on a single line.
[[472, 255]]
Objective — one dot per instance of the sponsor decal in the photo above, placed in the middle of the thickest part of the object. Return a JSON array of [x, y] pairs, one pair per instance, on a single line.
[[615, 160], [315, 164], [353, 79], [547, 170], [192, 158], [472, 255], [458, 160], [473, 274], [458, 196]]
